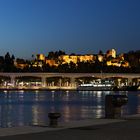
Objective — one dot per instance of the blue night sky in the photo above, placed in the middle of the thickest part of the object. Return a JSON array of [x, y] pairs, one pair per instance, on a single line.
[[76, 26]]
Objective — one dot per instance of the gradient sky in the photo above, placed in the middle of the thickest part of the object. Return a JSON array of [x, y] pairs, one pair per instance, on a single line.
[[76, 26]]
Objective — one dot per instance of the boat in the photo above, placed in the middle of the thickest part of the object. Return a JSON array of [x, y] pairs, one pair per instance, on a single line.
[[100, 85]]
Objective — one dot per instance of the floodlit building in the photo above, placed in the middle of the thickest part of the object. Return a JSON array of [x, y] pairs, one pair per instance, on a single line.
[[85, 58], [111, 53], [125, 64], [100, 58], [37, 64], [51, 62], [40, 57], [20, 64], [76, 58], [118, 63]]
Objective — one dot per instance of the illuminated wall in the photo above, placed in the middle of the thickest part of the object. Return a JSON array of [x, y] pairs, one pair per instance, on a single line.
[[111, 53], [76, 58], [40, 57]]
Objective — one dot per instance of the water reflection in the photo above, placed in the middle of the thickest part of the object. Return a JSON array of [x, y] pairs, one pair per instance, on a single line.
[[67, 114], [138, 107], [25, 108], [35, 112]]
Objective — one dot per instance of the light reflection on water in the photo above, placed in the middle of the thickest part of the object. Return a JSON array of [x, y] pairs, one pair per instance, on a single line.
[[26, 108]]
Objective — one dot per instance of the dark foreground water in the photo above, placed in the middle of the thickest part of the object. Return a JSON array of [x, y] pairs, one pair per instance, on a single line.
[[18, 108]]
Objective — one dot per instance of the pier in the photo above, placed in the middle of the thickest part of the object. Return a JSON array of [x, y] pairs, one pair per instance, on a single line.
[[99, 129]]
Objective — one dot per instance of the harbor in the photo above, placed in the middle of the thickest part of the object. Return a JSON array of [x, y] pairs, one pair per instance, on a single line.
[[82, 115], [80, 100], [25, 108], [69, 69]]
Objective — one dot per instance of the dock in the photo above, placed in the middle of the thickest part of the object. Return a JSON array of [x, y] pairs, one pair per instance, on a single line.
[[127, 128]]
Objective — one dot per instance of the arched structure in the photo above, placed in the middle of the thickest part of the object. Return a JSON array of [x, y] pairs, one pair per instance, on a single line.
[[71, 76]]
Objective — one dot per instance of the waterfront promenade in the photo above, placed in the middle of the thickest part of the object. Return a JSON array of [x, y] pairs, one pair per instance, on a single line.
[[98, 129]]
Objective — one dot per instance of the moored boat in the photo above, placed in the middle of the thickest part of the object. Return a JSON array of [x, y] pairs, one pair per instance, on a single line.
[[100, 85]]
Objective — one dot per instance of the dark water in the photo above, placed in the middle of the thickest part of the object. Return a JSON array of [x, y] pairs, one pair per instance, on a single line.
[[26, 108]]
